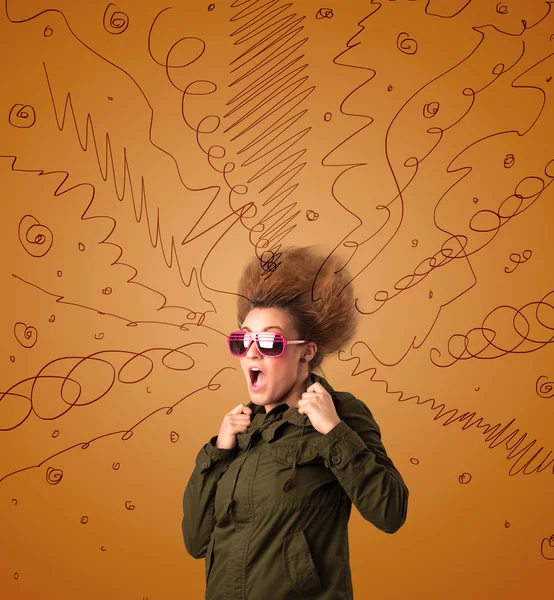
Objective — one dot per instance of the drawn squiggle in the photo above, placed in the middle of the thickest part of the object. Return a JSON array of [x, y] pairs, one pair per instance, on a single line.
[[56, 474], [489, 342], [36, 239], [526, 457]]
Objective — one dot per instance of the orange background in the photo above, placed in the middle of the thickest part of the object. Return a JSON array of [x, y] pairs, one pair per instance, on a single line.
[[148, 152]]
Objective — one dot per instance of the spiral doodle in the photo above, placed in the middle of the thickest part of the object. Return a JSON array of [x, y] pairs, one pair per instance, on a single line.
[[84, 520], [129, 505], [546, 389], [324, 13], [48, 31], [464, 478], [430, 110], [406, 44], [35, 238], [506, 524], [509, 161], [26, 335], [312, 215], [501, 9], [174, 437], [22, 116], [115, 22], [107, 291], [54, 476]]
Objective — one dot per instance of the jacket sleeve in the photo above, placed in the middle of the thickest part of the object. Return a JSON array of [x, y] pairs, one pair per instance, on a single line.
[[199, 496], [353, 450]]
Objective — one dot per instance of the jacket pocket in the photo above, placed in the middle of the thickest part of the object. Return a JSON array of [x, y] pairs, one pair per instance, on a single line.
[[299, 566], [209, 557], [286, 453]]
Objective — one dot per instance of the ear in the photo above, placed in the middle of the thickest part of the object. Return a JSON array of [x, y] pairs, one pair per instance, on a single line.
[[310, 351]]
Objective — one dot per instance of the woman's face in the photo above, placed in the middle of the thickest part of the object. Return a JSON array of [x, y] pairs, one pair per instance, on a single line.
[[281, 379]]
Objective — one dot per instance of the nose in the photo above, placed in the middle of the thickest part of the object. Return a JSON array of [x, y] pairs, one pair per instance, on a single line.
[[253, 351]]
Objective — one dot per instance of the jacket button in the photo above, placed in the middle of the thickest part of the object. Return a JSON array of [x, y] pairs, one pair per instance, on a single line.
[[205, 464], [336, 460]]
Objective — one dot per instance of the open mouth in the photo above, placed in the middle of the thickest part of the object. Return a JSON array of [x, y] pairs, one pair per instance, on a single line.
[[257, 377]]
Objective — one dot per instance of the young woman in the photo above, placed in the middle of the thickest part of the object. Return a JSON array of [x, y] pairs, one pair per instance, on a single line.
[[270, 497]]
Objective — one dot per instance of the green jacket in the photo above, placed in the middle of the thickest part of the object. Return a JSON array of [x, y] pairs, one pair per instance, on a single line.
[[271, 515]]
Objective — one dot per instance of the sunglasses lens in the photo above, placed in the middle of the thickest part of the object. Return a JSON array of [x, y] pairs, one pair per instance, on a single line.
[[270, 344], [238, 343]]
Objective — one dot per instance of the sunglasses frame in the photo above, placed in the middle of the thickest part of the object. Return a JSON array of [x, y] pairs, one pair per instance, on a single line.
[[256, 338]]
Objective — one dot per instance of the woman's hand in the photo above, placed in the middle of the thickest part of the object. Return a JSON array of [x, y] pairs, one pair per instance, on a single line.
[[319, 406], [235, 421]]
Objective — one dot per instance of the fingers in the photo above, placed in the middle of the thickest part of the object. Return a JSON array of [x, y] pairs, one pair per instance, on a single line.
[[241, 408]]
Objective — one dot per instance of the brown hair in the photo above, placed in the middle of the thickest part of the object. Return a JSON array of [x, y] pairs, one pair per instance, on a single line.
[[327, 316]]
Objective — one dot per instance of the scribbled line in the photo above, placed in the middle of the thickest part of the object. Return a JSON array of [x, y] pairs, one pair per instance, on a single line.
[[324, 13], [515, 337], [547, 548], [524, 453], [36, 239], [517, 259], [194, 317], [268, 107], [487, 222], [26, 335], [115, 22], [22, 116], [546, 388], [55, 475], [406, 44]]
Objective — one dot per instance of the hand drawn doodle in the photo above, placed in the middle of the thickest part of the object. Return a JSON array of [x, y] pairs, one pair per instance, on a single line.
[[414, 461], [324, 13], [312, 215], [55, 433], [51, 318], [211, 7], [115, 22], [430, 109], [129, 505], [107, 291], [14, 501], [54, 476], [464, 478], [115, 466], [48, 31], [35, 238], [507, 524], [84, 520], [547, 548], [517, 259], [484, 342], [406, 44], [26, 335], [16, 575], [22, 116], [327, 116], [501, 9], [509, 161], [545, 389], [173, 437]]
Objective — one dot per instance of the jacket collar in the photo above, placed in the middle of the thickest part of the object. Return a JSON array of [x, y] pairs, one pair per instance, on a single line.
[[279, 416]]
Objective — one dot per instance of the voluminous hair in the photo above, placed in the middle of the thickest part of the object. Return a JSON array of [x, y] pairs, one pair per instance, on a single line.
[[311, 289]]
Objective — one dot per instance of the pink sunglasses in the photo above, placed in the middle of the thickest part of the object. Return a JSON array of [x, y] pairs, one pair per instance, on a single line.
[[268, 343]]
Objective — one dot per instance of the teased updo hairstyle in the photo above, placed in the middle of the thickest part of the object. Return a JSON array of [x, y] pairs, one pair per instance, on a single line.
[[324, 314]]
